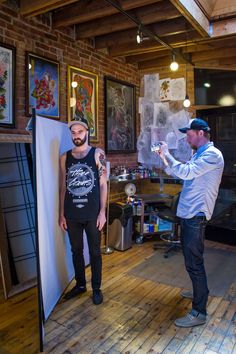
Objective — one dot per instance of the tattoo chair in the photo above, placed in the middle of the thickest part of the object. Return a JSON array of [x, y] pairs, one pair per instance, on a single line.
[[171, 237]]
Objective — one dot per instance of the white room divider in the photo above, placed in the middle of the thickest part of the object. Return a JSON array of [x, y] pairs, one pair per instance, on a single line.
[[56, 269]]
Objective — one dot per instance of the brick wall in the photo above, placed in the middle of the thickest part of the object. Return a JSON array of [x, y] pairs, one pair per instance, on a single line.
[[37, 36]]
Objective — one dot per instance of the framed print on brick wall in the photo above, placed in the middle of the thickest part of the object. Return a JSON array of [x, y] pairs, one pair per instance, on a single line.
[[120, 131], [7, 85], [83, 98], [42, 89]]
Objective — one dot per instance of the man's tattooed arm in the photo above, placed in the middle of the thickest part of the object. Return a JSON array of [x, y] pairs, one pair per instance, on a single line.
[[102, 164]]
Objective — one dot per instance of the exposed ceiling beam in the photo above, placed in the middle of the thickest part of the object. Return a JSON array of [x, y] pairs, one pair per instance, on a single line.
[[224, 9], [164, 28], [214, 64], [150, 45], [194, 15], [209, 43], [84, 11], [230, 61], [144, 29], [132, 59], [207, 6], [155, 63], [224, 28], [146, 15], [36, 7], [202, 45], [213, 54]]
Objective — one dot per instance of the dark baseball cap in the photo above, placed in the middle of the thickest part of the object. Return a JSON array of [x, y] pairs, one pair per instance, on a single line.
[[79, 120], [196, 124]]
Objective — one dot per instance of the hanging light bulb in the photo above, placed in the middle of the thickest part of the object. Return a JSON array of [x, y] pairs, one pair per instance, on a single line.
[[174, 65], [186, 102]]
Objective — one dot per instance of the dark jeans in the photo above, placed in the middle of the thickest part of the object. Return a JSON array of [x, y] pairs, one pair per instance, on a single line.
[[192, 239], [75, 231]]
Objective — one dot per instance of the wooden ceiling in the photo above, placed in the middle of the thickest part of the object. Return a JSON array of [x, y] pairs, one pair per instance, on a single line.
[[201, 32]]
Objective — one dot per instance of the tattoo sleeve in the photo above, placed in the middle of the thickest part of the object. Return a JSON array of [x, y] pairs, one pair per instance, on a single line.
[[102, 165]]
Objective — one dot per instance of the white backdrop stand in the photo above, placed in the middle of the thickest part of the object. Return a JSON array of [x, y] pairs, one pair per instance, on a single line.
[[107, 249]]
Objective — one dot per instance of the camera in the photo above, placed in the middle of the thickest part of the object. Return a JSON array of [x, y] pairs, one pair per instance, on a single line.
[[156, 146]]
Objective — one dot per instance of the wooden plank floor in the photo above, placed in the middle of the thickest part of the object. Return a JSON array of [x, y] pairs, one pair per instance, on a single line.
[[138, 315], [19, 323]]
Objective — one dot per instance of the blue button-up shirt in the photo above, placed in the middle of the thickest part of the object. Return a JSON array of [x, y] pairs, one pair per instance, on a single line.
[[202, 176]]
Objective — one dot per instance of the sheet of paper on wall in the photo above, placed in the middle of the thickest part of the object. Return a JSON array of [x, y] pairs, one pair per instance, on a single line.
[[165, 94], [161, 113], [147, 111], [141, 101], [158, 134], [171, 140], [151, 87], [183, 152], [177, 89], [179, 120], [145, 156]]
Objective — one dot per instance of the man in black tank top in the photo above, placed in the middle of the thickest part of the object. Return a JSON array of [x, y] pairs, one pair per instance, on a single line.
[[83, 195]]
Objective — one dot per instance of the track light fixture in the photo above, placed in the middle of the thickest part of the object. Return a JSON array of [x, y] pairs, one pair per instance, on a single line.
[[174, 65], [139, 36]]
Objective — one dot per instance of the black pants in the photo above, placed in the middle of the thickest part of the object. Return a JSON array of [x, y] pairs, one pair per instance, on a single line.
[[75, 231]]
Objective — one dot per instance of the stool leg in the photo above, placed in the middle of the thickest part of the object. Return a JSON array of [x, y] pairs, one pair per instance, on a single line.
[[172, 238]]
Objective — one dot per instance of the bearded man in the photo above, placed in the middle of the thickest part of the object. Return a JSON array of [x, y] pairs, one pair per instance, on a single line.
[[83, 195]]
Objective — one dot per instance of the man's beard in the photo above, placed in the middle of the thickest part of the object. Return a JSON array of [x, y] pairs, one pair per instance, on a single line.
[[79, 142]]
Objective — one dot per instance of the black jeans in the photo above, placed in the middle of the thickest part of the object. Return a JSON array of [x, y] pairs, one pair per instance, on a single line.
[[75, 231], [192, 239]]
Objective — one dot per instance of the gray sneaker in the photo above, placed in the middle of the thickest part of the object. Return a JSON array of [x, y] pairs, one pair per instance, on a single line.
[[191, 319], [187, 294]]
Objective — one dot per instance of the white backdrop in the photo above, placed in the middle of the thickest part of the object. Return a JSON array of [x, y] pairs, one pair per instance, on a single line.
[[52, 139]]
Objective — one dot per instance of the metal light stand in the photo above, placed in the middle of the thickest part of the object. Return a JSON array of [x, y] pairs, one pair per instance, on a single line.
[[107, 249]]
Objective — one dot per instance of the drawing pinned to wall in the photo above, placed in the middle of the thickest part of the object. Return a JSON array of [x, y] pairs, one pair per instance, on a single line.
[[145, 156], [147, 114], [165, 94], [160, 121], [141, 101], [183, 151], [158, 134], [161, 112], [151, 87], [171, 140], [178, 89], [178, 120]]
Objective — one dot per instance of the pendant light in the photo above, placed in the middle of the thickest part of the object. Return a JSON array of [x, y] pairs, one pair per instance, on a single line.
[[186, 102], [174, 65]]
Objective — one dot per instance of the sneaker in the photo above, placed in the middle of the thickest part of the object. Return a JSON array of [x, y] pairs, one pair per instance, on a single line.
[[187, 294], [191, 319], [75, 291], [97, 297]]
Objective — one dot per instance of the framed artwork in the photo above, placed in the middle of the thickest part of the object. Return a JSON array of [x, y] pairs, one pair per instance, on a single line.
[[42, 91], [7, 85], [83, 98], [120, 134]]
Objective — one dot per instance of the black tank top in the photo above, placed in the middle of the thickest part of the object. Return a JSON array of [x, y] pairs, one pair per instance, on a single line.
[[82, 198]]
